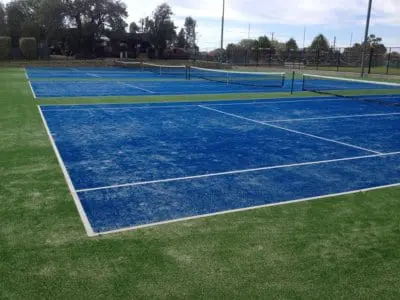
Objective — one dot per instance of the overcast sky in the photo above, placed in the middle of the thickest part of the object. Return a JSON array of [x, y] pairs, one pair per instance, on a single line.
[[288, 18]]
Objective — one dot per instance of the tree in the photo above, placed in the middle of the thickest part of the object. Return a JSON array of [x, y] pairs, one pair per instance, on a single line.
[[264, 42], [181, 40], [94, 18], [190, 32], [376, 44], [161, 28], [3, 25], [320, 42], [16, 16], [133, 28], [248, 43], [50, 18], [291, 44]]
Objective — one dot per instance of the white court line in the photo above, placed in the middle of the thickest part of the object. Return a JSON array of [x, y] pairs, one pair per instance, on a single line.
[[93, 75], [291, 130], [26, 74], [234, 172], [248, 208], [195, 104], [136, 87], [334, 117], [81, 211], [33, 92]]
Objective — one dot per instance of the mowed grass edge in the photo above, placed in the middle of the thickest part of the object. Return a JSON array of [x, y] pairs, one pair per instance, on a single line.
[[343, 247]]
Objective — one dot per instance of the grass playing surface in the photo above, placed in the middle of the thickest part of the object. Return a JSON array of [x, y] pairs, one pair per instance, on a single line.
[[343, 247]]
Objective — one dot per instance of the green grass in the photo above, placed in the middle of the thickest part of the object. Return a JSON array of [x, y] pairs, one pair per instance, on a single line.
[[339, 248]]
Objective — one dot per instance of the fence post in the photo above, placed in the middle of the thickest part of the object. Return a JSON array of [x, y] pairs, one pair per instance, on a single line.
[[371, 53], [270, 57], [257, 57], [388, 61], [292, 87], [338, 61], [317, 59]]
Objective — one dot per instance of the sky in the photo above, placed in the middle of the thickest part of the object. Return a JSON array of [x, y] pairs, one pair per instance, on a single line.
[[343, 19]]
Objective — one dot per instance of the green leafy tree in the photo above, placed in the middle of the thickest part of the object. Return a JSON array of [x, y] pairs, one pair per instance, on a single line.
[[248, 43], [376, 44], [264, 42], [94, 18], [5, 47], [50, 18], [161, 27], [320, 42], [16, 16], [133, 28], [28, 47], [190, 32], [3, 25], [181, 39], [291, 44]]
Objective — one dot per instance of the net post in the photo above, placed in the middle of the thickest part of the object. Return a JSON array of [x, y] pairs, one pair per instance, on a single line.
[[292, 87], [303, 83]]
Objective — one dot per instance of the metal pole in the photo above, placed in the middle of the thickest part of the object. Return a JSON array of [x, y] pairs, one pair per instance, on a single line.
[[222, 24], [351, 40], [366, 38], [304, 37]]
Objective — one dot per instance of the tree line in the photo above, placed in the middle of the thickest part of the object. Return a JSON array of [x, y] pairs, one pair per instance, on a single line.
[[320, 51], [87, 27]]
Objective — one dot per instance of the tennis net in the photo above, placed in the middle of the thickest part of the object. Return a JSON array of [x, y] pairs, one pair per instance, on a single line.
[[179, 71], [257, 79], [129, 65], [386, 93]]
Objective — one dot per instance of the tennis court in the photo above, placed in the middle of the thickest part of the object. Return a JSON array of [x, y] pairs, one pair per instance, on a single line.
[[155, 80], [131, 165]]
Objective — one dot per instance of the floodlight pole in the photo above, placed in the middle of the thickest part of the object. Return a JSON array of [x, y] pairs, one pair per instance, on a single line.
[[366, 38], [222, 24]]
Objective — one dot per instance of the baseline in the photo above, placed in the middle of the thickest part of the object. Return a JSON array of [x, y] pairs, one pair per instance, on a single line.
[[246, 209]]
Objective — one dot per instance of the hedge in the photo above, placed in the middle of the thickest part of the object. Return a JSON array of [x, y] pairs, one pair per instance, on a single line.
[[5, 47], [28, 47]]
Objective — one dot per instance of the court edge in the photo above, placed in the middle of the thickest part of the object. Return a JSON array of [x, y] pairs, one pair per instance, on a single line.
[[81, 211]]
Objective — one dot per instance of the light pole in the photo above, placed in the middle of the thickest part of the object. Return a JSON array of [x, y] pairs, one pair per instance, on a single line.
[[222, 24], [366, 38]]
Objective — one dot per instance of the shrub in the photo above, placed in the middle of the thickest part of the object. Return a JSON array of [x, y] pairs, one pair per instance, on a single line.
[[5, 47], [28, 47]]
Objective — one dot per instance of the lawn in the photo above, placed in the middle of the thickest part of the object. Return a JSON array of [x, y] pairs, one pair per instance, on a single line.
[[344, 247]]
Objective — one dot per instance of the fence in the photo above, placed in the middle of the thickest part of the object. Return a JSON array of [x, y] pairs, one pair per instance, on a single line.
[[378, 60]]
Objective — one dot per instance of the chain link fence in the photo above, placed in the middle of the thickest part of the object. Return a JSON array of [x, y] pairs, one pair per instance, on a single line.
[[379, 60]]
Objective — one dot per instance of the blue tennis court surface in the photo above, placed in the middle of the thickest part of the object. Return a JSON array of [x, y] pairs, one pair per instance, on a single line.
[[116, 81], [138, 165]]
